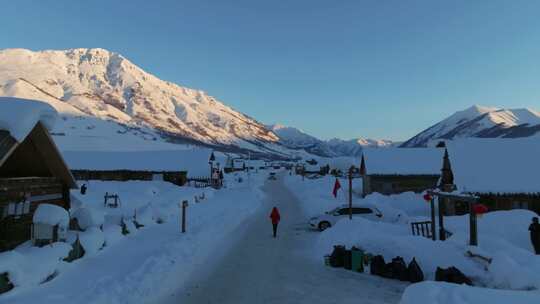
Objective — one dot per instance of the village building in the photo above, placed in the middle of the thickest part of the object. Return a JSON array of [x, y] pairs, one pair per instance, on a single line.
[[503, 173], [396, 170], [174, 166], [32, 170]]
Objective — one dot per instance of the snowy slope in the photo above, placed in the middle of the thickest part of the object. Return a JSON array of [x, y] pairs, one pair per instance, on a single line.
[[478, 121], [294, 138], [98, 89]]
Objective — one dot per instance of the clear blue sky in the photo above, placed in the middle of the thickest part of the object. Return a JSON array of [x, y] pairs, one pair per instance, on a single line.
[[381, 69]]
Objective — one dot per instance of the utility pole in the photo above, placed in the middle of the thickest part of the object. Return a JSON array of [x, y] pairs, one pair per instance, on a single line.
[[350, 193]]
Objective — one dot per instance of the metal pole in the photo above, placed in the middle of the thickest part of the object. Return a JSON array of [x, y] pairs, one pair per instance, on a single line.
[[184, 206], [350, 194], [433, 235]]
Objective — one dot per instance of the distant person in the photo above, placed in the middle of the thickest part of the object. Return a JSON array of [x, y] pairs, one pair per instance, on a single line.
[[83, 189], [275, 219], [534, 228]]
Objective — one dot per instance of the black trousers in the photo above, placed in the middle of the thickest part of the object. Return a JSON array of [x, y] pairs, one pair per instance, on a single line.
[[536, 245], [274, 228]]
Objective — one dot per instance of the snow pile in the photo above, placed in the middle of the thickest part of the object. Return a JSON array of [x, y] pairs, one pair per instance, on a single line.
[[20, 116], [52, 215], [503, 236], [514, 265], [446, 293], [29, 266], [92, 240], [88, 217]]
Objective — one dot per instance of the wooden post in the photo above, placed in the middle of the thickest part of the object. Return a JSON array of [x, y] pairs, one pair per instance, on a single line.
[[350, 194], [473, 227], [442, 207], [433, 235], [184, 206]]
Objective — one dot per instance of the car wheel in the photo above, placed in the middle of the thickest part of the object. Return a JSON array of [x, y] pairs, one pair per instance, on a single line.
[[324, 225]]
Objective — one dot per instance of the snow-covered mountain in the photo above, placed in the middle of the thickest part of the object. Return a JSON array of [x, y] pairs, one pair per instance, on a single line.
[[100, 88], [478, 121], [294, 138]]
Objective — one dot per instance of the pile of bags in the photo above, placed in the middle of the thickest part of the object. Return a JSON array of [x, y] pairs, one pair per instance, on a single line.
[[352, 259], [397, 269]]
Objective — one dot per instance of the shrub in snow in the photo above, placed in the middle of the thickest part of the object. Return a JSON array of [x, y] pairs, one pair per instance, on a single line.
[[144, 215], [92, 240], [113, 234], [87, 217], [5, 283]]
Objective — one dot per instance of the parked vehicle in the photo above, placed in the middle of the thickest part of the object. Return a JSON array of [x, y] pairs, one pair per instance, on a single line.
[[330, 218], [272, 176]]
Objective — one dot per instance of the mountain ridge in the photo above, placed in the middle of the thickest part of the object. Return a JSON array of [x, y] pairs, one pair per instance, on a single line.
[[483, 122]]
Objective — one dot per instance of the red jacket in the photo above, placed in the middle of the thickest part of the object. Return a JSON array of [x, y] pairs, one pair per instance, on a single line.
[[275, 216]]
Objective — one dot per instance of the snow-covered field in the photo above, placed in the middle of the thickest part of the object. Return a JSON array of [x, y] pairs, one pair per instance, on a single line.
[[503, 236], [142, 265]]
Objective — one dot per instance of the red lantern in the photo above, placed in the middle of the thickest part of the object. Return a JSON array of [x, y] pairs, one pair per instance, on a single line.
[[480, 209], [427, 197]]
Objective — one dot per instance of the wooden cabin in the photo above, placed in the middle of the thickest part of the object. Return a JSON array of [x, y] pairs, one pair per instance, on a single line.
[[502, 172], [396, 170], [171, 166], [32, 172]]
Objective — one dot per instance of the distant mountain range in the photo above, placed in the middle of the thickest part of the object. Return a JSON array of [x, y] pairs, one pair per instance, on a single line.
[[294, 138], [482, 122]]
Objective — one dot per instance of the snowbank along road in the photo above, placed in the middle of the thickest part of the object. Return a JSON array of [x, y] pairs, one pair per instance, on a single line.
[[261, 269]]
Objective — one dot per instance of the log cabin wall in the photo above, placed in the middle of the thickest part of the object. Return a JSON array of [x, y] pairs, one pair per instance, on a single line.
[[176, 177], [395, 184], [15, 227]]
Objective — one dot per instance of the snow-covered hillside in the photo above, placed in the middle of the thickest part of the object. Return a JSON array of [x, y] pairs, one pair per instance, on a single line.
[[478, 121], [294, 138], [96, 89]]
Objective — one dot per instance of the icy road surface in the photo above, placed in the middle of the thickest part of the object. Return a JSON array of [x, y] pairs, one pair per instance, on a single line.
[[261, 269]]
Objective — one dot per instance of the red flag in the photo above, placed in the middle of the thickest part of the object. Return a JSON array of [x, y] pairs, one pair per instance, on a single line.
[[337, 186]]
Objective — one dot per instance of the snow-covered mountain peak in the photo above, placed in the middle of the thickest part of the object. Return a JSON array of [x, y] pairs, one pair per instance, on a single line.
[[478, 121], [105, 85]]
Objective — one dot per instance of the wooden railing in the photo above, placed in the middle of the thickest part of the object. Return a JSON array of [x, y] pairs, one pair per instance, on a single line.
[[422, 228]]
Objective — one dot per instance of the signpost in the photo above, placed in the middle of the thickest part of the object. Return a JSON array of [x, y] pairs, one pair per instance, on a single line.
[[350, 192], [184, 207]]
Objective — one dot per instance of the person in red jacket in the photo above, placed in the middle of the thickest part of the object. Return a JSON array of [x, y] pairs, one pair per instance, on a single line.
[[275, 219]]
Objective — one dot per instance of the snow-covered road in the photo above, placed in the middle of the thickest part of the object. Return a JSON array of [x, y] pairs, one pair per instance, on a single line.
[[260, 269]]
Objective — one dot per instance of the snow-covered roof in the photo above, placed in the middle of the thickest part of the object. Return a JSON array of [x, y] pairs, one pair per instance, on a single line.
[[404, 161], [194, 161], [51, 215], [19, 116], [496, 165]]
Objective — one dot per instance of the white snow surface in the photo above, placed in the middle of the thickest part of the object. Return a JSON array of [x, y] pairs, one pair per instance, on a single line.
[[495, 165], [403, 161], [19, 116], [446, 293], [144, 265], [51, 215]]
